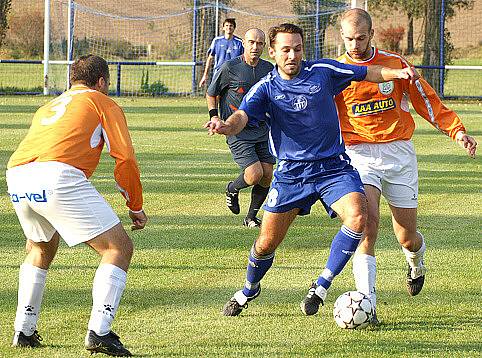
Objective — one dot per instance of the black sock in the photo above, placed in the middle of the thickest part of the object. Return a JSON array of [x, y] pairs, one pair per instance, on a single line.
[[258, 195], [238, 184]]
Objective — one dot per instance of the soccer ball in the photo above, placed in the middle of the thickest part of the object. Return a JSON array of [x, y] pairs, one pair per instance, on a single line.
[[353, 310]]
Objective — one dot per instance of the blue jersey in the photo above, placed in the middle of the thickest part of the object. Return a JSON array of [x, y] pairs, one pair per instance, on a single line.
[[301, 112], [224, 50]]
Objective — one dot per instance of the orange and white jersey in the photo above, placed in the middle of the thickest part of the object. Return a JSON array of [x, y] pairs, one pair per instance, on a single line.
[[72, 129], [379, 112]]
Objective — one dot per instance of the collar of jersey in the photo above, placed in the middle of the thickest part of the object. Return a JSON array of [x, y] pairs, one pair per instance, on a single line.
[[79, 86]]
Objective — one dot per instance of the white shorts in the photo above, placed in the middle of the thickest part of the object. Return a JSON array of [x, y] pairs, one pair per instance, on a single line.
[[391, 168], [53, 196]]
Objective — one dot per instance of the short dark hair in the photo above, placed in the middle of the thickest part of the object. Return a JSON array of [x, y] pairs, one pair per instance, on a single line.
[[230, 20], [88, 69], [283, 28]]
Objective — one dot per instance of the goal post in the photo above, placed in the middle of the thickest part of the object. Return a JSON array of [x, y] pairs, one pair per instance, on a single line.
[[157, 50]]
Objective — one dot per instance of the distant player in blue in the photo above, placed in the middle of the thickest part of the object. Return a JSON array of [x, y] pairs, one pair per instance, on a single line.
[[297, 98], [222, 49]]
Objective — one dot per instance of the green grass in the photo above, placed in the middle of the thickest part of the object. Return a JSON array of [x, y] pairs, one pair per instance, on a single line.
[[192, 256], [16, 77], [29, 77]]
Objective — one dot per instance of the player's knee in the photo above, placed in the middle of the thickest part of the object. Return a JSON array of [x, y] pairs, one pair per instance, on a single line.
[[368, 243], [409, 240], [371, 227], [119, 247], [253, 177], [356, 221], [263, 247]]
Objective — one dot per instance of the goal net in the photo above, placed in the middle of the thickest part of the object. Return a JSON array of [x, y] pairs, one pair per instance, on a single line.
[[160, 47]]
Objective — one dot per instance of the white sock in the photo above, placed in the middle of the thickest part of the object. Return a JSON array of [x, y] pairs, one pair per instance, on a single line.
[[31, 285], [109, 283], [415, 259], [365, 274]]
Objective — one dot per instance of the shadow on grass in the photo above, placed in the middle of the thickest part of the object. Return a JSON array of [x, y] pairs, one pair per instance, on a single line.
[[173, 110], [161, 129], [197, 173], [14, 126], [456, 159], [433, 131], [19, 108], [221, 232]]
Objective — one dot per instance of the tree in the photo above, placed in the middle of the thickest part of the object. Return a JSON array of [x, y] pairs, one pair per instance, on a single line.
[[314, 18], [4, 10], [26, 33], [414, 9], [431, 48], [431, 11]]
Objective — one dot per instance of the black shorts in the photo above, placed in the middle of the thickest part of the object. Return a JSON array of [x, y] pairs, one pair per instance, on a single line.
[[246, 153]]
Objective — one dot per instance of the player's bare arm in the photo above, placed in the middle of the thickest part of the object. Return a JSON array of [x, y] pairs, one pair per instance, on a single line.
[[209, 61], [232, 126], [379, 74], [467, 142], [212, 103]]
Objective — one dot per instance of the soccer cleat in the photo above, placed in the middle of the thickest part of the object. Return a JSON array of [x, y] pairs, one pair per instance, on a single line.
[[108, 344], [232, 200], [22, 340], [252, 222], [311, 304], [233, 307], [374, 321], [415, 279]]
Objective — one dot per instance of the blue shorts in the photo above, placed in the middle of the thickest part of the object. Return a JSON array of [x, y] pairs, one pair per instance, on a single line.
[[300, 184]]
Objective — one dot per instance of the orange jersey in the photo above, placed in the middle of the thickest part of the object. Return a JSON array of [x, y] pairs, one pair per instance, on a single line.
[[379, 112], [72, 129]]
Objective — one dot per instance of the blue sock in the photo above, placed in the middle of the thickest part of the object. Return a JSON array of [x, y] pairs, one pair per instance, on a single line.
[[257, 267], [343, 247]]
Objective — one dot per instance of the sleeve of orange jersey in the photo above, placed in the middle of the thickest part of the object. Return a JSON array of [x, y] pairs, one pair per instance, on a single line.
[[428, 105], [126, 171]]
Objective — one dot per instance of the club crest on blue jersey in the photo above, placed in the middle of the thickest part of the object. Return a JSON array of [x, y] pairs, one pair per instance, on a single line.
[[299, 103], [32, 197], [365, 109]]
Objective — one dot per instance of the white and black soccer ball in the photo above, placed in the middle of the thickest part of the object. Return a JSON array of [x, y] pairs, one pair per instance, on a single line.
[[353, 310]]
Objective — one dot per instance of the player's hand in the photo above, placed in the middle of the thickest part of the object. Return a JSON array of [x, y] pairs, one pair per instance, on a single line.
[[203, 81], [139, 219], [468, 143], [409, 73], [214, 125]]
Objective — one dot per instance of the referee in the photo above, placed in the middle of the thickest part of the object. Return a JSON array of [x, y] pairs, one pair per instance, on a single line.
[[249, 148]]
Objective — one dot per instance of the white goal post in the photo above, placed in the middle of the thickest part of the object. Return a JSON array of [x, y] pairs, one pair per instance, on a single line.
[[153, 49]]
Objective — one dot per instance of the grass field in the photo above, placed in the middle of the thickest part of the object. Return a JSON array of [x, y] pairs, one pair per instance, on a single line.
[[178, 79], [192, 256]]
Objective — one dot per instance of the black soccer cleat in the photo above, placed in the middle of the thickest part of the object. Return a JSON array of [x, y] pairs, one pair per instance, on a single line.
[[22, 340], [234, 308], [252, 222], [415, 285], [108, 344], [311, 304], [232, 200], [374, 321]]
